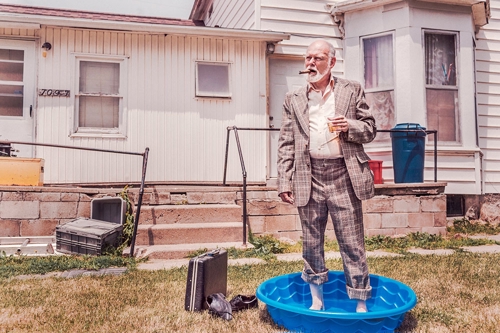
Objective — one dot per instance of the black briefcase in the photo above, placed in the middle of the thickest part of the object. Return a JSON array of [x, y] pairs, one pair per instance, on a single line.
[[207, 274]]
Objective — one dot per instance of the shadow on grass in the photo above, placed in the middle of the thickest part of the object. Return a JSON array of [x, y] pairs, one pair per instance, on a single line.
[[265, 317], [409, 324]]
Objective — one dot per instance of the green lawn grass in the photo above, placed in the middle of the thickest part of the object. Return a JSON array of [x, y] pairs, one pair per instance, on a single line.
[[456, 293]]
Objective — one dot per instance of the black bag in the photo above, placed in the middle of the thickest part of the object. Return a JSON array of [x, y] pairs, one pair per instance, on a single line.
[[207, 274]]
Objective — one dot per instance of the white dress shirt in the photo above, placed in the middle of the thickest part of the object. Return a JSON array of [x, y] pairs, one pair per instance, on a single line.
[[322, 144]]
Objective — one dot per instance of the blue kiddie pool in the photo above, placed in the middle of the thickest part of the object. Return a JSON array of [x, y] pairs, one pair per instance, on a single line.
[[288, 299]]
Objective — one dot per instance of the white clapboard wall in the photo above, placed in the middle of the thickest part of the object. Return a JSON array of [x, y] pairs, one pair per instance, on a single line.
[[186, 135]]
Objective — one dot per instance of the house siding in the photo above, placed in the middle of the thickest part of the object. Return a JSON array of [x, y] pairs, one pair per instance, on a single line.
[[460, 168], [186, 135], [305, 20], [17, 32], [488, 98], [457, 162], [233, 14]]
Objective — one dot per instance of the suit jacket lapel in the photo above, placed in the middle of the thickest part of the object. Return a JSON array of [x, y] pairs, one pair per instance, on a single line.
[[301, 107], [342, 96]]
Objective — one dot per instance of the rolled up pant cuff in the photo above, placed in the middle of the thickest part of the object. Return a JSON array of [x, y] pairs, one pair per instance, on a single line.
[[361, 294], [315, 278]]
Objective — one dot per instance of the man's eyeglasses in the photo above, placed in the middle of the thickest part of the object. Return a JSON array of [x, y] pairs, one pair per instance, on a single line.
[[316, 59]]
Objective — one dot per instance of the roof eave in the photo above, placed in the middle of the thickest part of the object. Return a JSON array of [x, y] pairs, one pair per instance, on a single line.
[[480, 8], [200, 10], [270, 36]]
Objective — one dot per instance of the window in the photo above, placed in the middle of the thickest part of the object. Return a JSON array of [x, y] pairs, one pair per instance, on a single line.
[[441, 85], [212, 79], [379, 81], [99, 99]]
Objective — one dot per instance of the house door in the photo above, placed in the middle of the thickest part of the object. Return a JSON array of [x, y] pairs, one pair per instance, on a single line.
[[283, 77], [17, 82]]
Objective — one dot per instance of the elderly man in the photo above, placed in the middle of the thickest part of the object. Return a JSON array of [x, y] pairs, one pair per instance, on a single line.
[[323, 169]]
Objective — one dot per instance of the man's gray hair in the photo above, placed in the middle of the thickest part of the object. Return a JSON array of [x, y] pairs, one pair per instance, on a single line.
[[331, 49]]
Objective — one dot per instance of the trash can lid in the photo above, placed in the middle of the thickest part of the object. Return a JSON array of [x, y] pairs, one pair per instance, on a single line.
[[408, 129]]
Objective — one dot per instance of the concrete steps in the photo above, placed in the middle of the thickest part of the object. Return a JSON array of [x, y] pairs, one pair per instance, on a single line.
[[172, 231], [169, 214], [179, 251], [185, 233]]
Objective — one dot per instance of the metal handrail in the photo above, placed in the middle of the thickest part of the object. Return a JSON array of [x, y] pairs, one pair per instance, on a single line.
[[141, 190], [243, 169], [244, 172]]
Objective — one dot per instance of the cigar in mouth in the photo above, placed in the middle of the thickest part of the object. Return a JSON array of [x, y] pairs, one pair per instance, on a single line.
[[305, 71]]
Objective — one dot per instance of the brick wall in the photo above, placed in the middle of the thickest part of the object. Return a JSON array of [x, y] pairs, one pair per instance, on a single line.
[[389, 215], [399, 215], [36, 211]]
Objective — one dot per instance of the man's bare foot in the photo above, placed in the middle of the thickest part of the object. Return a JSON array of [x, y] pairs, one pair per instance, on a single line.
[[317, 297], [361, 307]]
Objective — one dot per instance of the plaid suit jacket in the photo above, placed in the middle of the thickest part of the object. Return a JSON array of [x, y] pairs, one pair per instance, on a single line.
[[294, 162]]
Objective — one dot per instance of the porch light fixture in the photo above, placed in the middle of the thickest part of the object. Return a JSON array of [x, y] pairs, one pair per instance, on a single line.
[[46, 47], [270, 47]]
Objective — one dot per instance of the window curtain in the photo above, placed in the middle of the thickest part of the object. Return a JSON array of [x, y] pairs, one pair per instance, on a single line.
[[379, 80], [440, 59], [378, 62]]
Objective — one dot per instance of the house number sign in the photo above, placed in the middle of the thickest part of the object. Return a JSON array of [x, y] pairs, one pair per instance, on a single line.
[[53, 92]]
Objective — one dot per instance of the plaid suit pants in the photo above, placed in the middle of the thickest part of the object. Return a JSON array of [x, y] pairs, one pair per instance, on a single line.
[[332, 193]]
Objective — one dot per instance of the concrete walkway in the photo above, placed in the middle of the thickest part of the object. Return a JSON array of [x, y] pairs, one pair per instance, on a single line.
[[75, 273], [155, 264]]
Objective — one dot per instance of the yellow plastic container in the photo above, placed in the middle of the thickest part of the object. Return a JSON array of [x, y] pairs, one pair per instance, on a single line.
[[21, 171]]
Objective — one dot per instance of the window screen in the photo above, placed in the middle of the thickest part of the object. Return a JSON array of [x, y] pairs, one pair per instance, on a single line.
[[11, 82], [99, 99], [212, 79]]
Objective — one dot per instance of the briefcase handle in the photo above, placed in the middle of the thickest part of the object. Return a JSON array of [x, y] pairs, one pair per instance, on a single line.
[[210, 253]]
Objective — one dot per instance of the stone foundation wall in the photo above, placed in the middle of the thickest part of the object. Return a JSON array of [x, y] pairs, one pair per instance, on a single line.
[[36, 211], [400, 215], [383, 215]]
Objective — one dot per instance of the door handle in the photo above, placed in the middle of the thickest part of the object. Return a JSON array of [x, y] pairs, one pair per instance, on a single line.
[[31, 111]]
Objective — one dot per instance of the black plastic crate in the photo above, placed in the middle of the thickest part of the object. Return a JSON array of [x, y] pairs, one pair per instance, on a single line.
[[87, 236], [110, 209], [94, 235]]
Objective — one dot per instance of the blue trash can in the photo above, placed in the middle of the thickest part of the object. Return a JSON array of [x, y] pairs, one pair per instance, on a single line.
[[408, 153]]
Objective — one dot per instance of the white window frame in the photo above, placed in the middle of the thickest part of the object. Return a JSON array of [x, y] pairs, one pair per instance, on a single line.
[[203, 94], [458, 140], [120, 131]]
